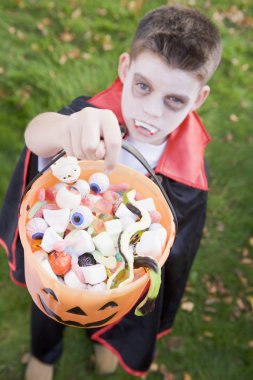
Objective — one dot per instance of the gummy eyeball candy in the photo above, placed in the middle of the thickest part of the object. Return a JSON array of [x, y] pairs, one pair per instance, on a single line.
[[36, 228], [66, 169], [99, 182], [81, 217]]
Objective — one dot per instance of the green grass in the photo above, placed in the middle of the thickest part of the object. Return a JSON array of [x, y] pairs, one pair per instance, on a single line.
[[53, 51]]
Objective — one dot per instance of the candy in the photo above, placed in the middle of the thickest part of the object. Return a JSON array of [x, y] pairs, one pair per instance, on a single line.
[[36, 228], [66, 169], [71, 279], [83, 187], [147, 203], [58, 219], [81, 217], [79, 242], [94, 274], [49, 239], [104, 244], [68, 197], [60, 262], [99, 182], [150, 244]]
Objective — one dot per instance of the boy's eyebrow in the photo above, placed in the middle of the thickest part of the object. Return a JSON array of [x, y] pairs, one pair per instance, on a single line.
[[139, 76]]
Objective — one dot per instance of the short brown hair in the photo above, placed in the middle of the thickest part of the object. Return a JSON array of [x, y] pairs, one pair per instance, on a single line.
[[186, 38]]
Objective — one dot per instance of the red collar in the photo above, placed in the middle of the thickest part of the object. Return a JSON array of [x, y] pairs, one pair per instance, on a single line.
[[183, 156]]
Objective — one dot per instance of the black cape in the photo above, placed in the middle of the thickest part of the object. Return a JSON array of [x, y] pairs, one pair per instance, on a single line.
[[133, 339]]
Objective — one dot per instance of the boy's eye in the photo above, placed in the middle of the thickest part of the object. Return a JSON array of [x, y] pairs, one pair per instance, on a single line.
[[142, 87], [174, 102]]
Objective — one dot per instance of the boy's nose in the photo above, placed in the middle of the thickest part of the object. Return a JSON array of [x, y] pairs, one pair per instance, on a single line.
[[153, 108]]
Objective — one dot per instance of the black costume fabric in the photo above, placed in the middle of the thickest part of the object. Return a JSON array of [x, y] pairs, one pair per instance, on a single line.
[[133, 338]]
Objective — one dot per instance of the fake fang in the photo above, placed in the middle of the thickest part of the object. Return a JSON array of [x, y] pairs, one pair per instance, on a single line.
[[147, 127]]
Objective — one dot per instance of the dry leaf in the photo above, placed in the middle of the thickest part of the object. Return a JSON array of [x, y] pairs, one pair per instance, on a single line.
[[250, 299], [76, 13], [240, 304], [187, 376], [250, 344], [251, 241], [207, 318], [220, 227], [154, 367], [67, 36], [187, 306], [234, 118], [229, 137], [2, 70], [208, 334], [174, 343], [168, 376]]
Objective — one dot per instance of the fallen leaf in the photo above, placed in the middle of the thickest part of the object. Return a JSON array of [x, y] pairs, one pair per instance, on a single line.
[[250, 344], [174, 343], [208, 334], [187, 306], [234, 118], [2, 70], [251, 241], [220, 227], [207, 318], [154, 367], [250, 299], [229, 137], [187, 376], [67, 36]]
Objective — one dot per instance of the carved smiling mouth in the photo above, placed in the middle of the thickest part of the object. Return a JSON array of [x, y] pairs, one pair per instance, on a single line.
[[146, 127]]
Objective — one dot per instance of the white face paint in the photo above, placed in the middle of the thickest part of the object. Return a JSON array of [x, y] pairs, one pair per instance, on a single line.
[[156, 98]]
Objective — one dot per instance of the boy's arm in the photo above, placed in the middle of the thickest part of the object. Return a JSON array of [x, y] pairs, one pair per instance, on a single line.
[[90, 133]]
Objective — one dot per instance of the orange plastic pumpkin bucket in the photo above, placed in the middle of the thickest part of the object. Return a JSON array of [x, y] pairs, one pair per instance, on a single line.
[[78, 307]]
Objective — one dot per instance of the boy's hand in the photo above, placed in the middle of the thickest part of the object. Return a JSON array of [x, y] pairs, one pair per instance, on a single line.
[[93, 134]]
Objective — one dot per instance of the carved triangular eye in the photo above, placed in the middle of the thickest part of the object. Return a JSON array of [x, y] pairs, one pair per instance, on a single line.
[[109, 304], [76, 310], [51, 292]]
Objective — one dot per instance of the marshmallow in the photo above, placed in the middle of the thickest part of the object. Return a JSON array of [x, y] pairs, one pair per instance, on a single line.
[[58, 219], [113, 228], [49, 239], [123, 211], [146, 203], [68, 197], [104, 244], [160, 230], [78, 242], [94, 274], [150, 244], [72, 280]]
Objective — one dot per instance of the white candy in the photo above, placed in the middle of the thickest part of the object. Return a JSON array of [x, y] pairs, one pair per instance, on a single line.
[[81, 217], [94, 274], [58, 219], [123, 211], [113, 228], [71, 280], [146, 203], [45, 264], [78, 242], [150, 244], [66, 169], [36, 228], [83, 187], [104, 244], [99, 182], [68, 197], [49, 239], [161, 230]]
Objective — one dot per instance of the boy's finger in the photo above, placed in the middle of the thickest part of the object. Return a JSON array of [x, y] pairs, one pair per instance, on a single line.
[[112, 140]]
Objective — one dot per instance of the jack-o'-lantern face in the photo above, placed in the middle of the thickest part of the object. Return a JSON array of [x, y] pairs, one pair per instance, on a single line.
[[78, 311]]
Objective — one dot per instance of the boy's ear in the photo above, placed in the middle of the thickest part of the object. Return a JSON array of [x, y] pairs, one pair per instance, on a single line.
[[123, 66], [204, 92]]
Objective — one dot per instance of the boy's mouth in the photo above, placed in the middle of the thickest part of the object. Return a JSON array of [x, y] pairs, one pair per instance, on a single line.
[[146, 127]]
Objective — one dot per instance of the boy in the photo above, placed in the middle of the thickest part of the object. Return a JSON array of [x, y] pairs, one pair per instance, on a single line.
[[161, 83]]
